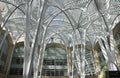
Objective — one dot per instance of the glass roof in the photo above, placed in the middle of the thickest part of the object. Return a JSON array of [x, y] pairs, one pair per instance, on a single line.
[[70, 22], [61, 18]]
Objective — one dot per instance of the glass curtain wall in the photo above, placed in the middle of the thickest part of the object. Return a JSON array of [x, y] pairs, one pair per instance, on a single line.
[[55, 62]]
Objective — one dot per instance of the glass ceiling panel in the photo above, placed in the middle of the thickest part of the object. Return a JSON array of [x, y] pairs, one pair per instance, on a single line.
[[89, 16], [81, 13]]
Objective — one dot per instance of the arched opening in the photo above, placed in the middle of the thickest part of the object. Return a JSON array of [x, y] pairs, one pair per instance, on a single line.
[[116, 33], [55, 61], [5, 49]]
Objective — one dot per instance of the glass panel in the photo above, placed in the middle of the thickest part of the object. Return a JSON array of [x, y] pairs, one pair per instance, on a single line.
[[101, 57], [3, 50], [17, 61]]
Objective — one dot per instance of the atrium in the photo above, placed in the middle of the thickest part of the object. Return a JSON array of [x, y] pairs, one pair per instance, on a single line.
[[59, 38]]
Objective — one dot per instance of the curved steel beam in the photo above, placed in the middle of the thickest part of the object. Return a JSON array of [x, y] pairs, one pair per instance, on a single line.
[[3, 24], [82, 12], [115, 19], [63, 11], [13, 5]]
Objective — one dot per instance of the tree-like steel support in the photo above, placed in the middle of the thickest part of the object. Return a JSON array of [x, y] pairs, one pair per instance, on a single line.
[[34, 59]]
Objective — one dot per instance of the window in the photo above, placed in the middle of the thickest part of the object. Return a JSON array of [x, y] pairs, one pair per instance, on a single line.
[[55, 61], [17, 60], [53, 72], [61, 61], [3, 57], [16, 71]]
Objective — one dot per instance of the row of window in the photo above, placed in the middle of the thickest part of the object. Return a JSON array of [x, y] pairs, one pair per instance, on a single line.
[[16, 71], [53, 72], [55, 62], [19, 71], [20, 60]]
